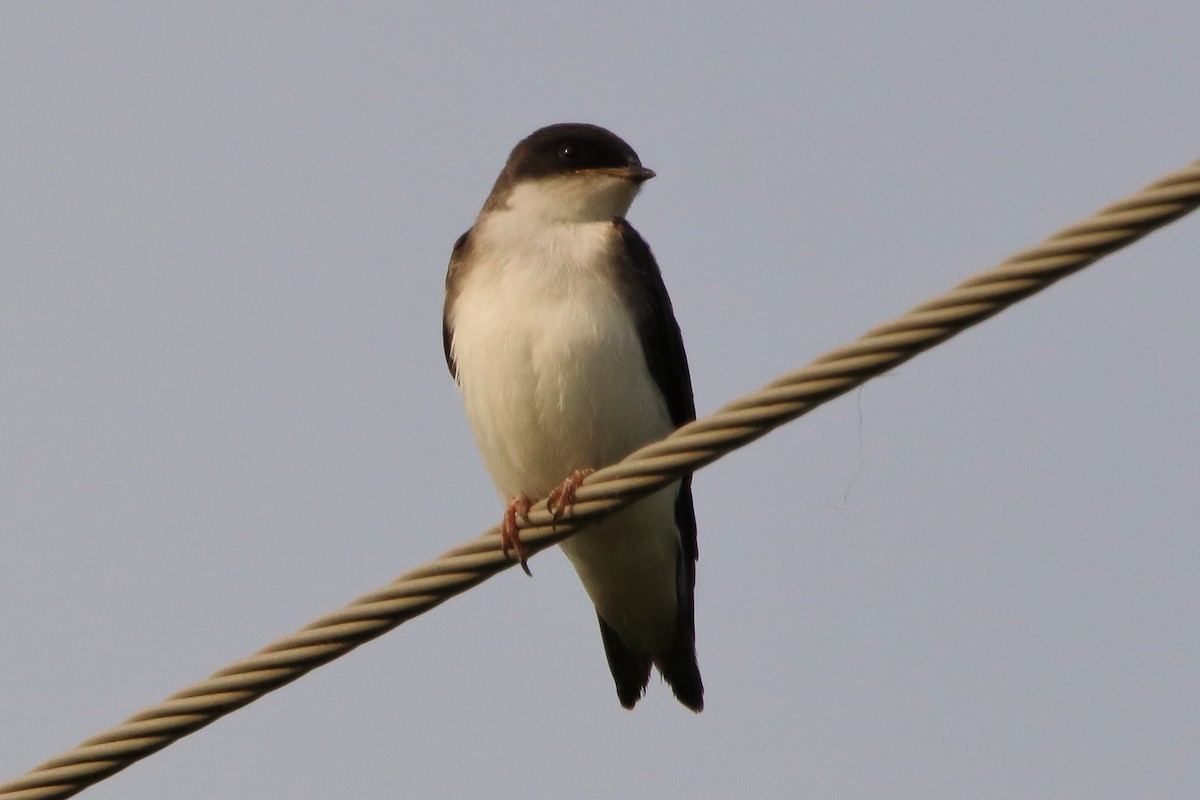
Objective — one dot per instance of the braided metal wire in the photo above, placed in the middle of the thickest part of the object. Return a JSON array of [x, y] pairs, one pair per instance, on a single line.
[[689, 448]]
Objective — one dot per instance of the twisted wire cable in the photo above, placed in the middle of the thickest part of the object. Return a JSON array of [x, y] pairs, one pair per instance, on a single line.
[[693, 446]]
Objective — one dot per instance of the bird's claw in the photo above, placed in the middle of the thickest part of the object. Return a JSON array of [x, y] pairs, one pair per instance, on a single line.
[[510, 536], [563, 496]]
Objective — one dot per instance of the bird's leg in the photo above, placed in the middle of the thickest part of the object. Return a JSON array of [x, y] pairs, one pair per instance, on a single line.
[[559, 500], [510, 537]]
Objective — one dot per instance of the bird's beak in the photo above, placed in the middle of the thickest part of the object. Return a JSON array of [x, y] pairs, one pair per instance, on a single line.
[[635, 174]]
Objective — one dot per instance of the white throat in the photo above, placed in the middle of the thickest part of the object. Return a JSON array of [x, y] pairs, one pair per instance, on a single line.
[[580, 197]]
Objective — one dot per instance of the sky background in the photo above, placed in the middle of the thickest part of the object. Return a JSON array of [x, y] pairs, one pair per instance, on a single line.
[[223, 234]]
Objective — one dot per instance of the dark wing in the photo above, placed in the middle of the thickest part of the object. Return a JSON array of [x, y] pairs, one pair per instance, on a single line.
[[657, 328], [662, 345], [453, 277]]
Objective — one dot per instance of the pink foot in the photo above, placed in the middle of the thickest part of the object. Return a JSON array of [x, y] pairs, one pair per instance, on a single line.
[[563, 497], [510, 537]]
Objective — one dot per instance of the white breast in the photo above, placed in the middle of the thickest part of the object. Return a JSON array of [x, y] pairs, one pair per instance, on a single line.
[[554, 379], [548, 358]]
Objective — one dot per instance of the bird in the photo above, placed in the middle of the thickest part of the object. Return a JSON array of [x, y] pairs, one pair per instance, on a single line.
[[559, 332]]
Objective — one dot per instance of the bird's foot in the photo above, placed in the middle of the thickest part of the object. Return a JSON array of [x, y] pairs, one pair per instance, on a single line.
[[559, 500], [510, 536]]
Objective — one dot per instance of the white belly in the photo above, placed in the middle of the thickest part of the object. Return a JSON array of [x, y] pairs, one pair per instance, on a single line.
[[554, 379], [551, 367]]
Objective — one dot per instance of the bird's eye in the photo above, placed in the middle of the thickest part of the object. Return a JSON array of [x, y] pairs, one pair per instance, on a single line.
[[570, 152]]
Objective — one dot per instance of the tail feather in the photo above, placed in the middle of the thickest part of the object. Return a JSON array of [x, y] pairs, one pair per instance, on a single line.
[[678, 662], [681, 672], [630, 670]]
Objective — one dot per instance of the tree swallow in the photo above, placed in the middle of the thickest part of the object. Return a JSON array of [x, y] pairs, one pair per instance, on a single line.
[[558, 329]]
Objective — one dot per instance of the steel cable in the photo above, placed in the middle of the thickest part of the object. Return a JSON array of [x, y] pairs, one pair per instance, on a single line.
[[881, 349]]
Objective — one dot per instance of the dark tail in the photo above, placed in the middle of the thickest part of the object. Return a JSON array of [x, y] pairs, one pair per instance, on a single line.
[[681, 672], [677, 664], [631, 671]]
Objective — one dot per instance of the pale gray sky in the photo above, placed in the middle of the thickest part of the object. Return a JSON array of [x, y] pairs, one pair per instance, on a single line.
[[223, 232]]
